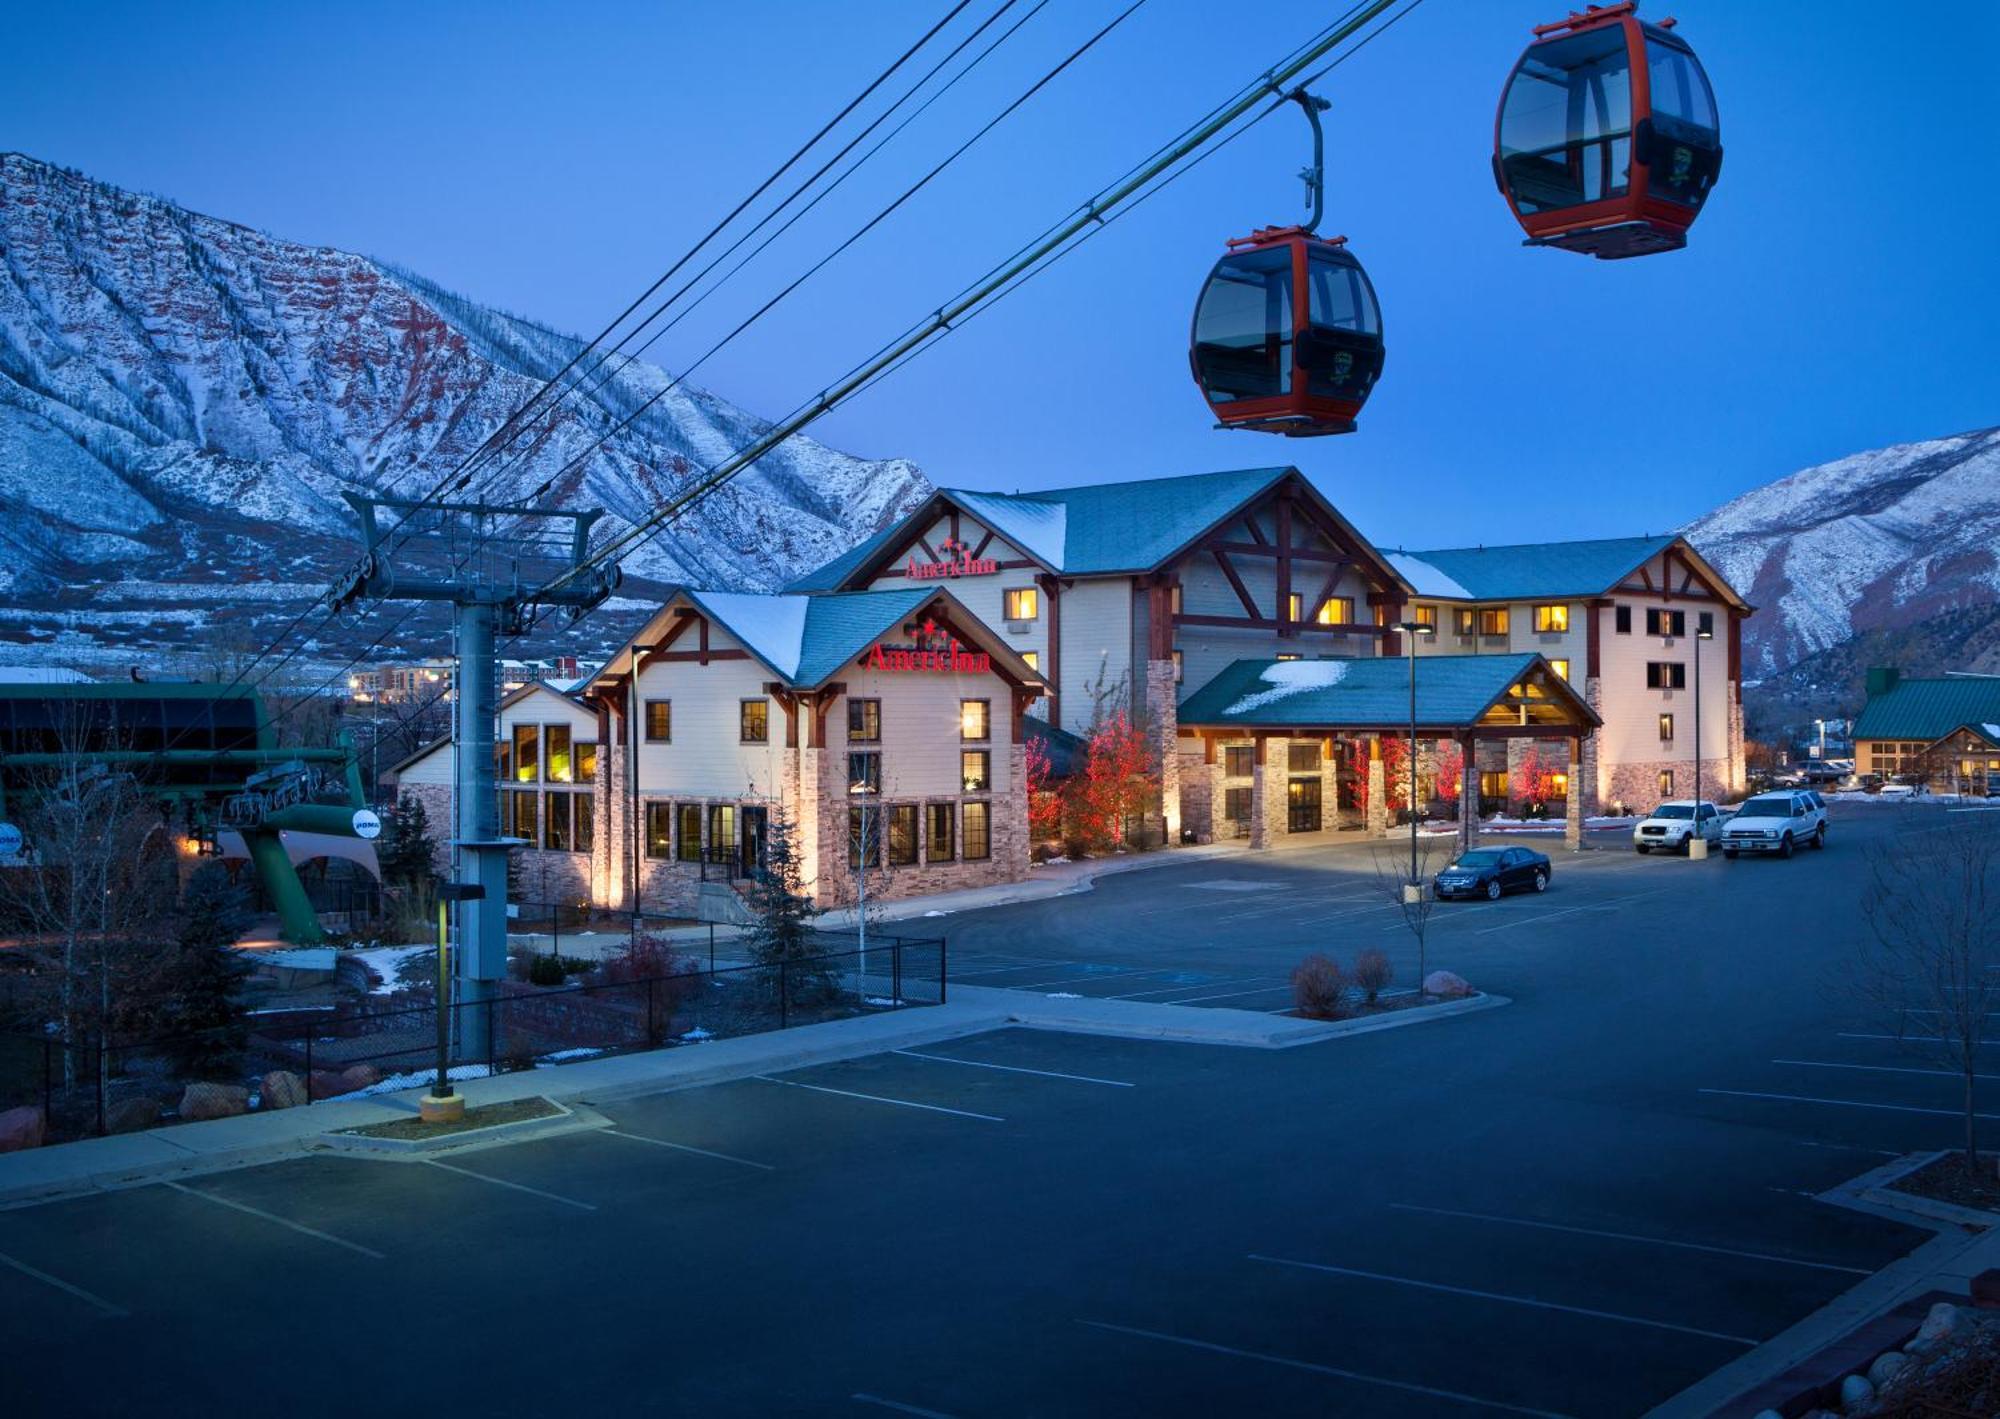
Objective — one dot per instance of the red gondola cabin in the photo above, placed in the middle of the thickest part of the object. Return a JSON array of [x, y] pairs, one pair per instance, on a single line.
[[1287, 335], [1607, 140]]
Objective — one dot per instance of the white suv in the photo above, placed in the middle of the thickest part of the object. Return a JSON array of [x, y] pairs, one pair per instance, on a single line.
[[1775, 822], [1671, 826]]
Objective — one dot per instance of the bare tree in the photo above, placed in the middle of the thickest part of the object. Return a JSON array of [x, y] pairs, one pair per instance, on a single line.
[[1415, 899], [1933, 963]]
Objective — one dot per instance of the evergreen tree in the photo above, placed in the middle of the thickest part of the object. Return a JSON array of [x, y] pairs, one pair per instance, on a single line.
[[199, 987], [408, 852], [782, 932]]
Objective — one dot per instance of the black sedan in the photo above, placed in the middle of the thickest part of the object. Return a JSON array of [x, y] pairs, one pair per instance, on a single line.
[[1489, 871]]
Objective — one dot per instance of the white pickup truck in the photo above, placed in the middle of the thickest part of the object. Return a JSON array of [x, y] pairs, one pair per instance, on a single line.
[[1776, 822]]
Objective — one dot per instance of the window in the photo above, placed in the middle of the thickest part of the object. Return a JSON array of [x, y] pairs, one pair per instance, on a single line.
[[1339, 611], [1302, 758], [975, 720], [690, 832], [864, 772], [562, 766], [1236, 805], [1295, 607], [503, 760], [556, 821], [586, 763], [1666, 783], [1704, 621], [659, 721], [1023, 603], [1493, 621], [903, 835], [1424, 616], [660, 830], [1558, 785], [1032, 659], [1289, 655], [753, 721], [721, 827], [1621, 620], [864, 721], [1239, 761], [1235, 355], [1493, 784], [1552, 618], [975, 769], [1566, 122], [1665, 623], [586, 823], [1468, 621], [941, 816], [1666, 675], [978, 832], [1174, 599], [1180, 668], [527, 756], [1560, 666], [1666, 729], [864, 824], [522, 811]]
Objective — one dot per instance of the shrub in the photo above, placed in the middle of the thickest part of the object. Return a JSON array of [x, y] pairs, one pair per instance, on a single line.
[[644, 957], [1318, 989], [1372, 972], [545, 970]]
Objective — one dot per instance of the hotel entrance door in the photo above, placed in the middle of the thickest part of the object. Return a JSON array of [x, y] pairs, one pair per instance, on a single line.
[[1302, 805]]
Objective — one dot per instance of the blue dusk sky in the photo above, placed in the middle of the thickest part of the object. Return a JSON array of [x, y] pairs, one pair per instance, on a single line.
[[1838, 294]]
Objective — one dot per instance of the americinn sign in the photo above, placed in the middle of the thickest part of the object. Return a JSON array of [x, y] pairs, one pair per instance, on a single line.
[[955, 559]]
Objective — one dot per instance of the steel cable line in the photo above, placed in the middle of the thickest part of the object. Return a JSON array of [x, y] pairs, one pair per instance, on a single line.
[[1274, 81], [501, 437], [764, 442]]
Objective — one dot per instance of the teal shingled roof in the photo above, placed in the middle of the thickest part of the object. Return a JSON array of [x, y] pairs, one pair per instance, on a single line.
[[1928, 710], [839, 628], [1358, 693], [1532, 569], [1094, 530]]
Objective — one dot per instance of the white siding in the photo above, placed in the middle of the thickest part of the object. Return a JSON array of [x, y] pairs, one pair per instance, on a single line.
[[540, 707], [1096, 649], [920, 743], [983, 596], [706, 756]]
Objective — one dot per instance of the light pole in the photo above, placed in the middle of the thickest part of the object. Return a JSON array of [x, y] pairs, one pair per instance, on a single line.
[[1411, 630], [1697, 841], [860, 792]]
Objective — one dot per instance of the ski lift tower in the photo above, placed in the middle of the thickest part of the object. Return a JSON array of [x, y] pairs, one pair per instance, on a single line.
[[500, 568]]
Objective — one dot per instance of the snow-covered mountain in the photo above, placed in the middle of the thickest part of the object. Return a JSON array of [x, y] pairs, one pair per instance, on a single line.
[[1873, 546], [183, 400]]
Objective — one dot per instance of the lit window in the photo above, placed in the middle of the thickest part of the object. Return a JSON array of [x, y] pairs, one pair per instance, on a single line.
[[1552, 618], [688, 815], [1180, 668], [1665, 623], [1666, 675], [1288, 655], [1561, 667], [1493, 621], [586, 824], [1468, 621], [1558, 785], [975, 719], [1032, 659], [864, 721], [1666, 783], [561, 766], [659, 721], [941, 817], [586, 762], [1023, 604], [903, 835], [556, 821], [975, 769], [527, 761], [1666, 729], [1424, 616], [754, 721], [1336, 611], [1294, 607], [660, 828], [978, 832], [864, 772]]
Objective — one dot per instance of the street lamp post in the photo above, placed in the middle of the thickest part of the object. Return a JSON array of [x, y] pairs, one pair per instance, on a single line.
[[1697, 842], [1411, 630], [860, 792]]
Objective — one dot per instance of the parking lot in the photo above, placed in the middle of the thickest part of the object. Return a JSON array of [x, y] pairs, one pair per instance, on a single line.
[[1576, 1205]]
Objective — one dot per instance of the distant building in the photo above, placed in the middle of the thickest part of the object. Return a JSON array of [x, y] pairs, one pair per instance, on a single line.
[[1942, 732]]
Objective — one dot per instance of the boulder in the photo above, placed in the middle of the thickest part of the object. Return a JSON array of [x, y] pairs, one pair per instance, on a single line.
[[1886, 1367], [1855, 1391], [1941, 1323], [327, 1083], [200, 1101], [20, 1128], [360, 1076], [1448, 984], [281, 1089], [131, 1115]]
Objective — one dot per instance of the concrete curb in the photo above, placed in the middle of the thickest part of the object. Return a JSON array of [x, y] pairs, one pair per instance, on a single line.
[[1947, 1262], [1878, 1187], [1187, 1024], [564, 1120]]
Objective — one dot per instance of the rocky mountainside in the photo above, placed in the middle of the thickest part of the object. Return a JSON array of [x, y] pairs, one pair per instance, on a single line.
[[183, 401], [1892, 554]]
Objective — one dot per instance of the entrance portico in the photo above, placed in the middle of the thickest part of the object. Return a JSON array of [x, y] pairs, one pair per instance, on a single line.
[[1305, 721]]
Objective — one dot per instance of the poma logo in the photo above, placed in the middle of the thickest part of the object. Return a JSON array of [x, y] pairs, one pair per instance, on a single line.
[[932, 649], [954, 559]]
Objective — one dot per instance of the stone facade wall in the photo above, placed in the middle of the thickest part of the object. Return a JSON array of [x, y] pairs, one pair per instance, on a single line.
[[1637, 784], [1267, 796], [1200, 792], [436, 799], [1163, 739]]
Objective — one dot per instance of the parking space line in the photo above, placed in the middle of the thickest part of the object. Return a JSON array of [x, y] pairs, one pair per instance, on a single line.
[[517, 1187], [1013, 1069], [1170, 989], [1843, 1103], [1904, 1039], [688, 1148], [898, 1406], [286, 1222], [880, 1099], [1511, 1300], [1884, 1069], [1633, 1237], [88, 1298], [1085, 975], [1231, 995], [1307, 1365], [1605, 905]]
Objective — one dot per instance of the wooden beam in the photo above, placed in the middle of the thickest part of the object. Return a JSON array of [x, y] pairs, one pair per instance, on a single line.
[[1257, 536], [702, 656], [1242, 592], [1052, 672], [1285, 616], [980, 550], [1299, 554]]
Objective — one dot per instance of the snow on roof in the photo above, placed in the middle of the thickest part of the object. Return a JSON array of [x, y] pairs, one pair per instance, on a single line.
[[1037, 527], [1291, 677], [1425, 579], [40, 675], [1991, 731], [772, 626]]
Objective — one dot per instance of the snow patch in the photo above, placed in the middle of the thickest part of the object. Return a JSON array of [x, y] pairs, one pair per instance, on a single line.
[[1291, 677], [1425, 579], [387, 963]]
